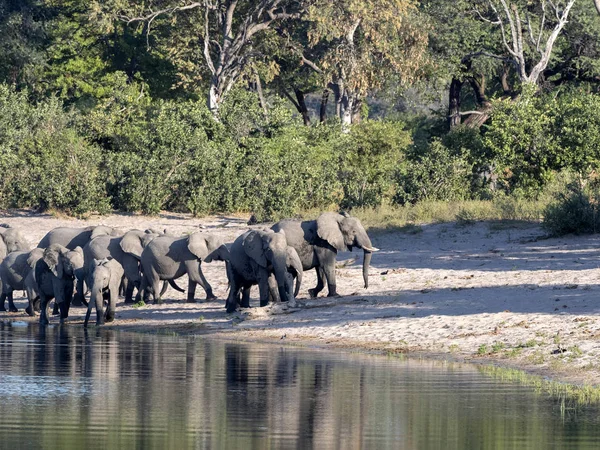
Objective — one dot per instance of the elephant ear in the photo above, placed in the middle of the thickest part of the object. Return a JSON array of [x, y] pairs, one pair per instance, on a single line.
[[328, 229], [53, 259], [34, 256], [131, 243], [197, 245], [253, 245]]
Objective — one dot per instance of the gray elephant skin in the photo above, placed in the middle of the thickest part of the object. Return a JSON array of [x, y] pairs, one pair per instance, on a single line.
[[11, 240], [318, 241], [126, 250], [104, 279], [15, 272], [169, 258], [72, 238], [263, 258], [54, 274]]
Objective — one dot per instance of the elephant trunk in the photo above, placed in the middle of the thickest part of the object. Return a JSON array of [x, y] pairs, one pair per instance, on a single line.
[[280, 272], [296, 264], [97, 301], [365, 269], [364, 242]]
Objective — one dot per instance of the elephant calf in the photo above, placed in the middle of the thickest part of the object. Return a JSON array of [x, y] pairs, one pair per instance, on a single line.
[[14, 276], [104, 280], [263, 258], [168, 258]]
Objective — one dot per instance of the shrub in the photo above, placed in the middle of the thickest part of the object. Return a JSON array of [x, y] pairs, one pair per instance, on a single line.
[[436, 173], [44, 161], [575, 211]]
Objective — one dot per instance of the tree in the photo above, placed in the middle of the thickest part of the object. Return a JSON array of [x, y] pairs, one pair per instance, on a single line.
[[365, 42], [223, 32], [518, 25]]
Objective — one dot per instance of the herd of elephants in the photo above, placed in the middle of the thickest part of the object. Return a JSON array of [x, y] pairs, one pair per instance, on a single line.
[[106, 262]]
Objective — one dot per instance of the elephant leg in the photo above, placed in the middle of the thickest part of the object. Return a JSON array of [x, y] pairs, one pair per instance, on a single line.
[[191, 294], [44, 309], [131, 279], [11, 305], [3, 301], [245, 297], [129, 287], [33, 305], [273, 290], [112, 306], [313, 293], [329, 269], [55, 309], [199, 278], [64, 299], [79, 298], [263, 287]]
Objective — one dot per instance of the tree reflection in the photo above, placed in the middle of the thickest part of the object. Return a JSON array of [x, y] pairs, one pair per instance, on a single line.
[[65, 387]]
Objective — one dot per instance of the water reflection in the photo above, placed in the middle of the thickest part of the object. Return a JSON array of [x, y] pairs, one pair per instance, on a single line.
[[63, 387]]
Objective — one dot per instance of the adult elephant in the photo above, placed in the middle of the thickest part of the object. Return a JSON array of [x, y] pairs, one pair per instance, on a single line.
[[75, 237], [263, 258], [318, 241], [11, 240], [126, 250], [168, 258], [72, 238], [54, 273], [14, 271]]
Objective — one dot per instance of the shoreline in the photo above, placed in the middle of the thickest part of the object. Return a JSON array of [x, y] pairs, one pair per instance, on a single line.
[[487, 293]]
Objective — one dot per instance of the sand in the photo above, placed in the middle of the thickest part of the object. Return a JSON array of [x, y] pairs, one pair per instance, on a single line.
[[492, 292]]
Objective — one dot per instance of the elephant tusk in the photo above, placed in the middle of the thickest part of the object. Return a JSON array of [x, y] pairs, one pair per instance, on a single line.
[[370, 249]]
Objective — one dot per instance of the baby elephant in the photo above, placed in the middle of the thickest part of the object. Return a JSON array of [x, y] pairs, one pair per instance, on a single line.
[[104, 280], [263, 258], [14, 276]]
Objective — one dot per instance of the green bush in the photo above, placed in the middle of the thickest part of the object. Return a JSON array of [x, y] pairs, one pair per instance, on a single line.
[[436, 173], [44, 161], [575, 211]]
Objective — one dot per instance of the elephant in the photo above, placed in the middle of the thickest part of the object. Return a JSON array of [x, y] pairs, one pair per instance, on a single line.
[[126, 250], [263, 258], [104, 279], [76, 237], [318, 241], [14, 271], [54, 273], [169, 257], [11, 240]]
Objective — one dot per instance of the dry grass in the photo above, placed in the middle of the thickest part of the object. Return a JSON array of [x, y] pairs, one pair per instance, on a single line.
[[401, 217]]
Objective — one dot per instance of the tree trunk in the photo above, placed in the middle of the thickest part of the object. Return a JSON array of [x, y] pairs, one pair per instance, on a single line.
[[357, 110], [213, 99], [302, 109], [261, 96], [324, 100], [337, 93], [597, 5], [454, 103]]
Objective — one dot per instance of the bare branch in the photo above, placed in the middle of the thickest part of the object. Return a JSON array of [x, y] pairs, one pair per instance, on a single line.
[[497, 22]]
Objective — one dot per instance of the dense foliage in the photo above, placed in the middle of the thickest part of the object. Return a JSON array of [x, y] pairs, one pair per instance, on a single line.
[[277, 106]]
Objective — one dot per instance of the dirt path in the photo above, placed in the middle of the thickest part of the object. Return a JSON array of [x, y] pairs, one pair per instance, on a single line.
[[492, 291]]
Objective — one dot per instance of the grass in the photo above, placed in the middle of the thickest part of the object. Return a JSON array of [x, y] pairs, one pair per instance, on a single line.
[[405, 218], [579, 394]]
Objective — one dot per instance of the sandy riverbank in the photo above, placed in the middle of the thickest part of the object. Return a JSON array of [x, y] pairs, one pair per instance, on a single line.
[[497, 292]]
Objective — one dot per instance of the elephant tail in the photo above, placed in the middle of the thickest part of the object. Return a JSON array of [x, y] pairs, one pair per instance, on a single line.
[[174, 286]]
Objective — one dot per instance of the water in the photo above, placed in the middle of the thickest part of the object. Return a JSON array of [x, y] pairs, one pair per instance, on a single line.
[[61, 388]]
